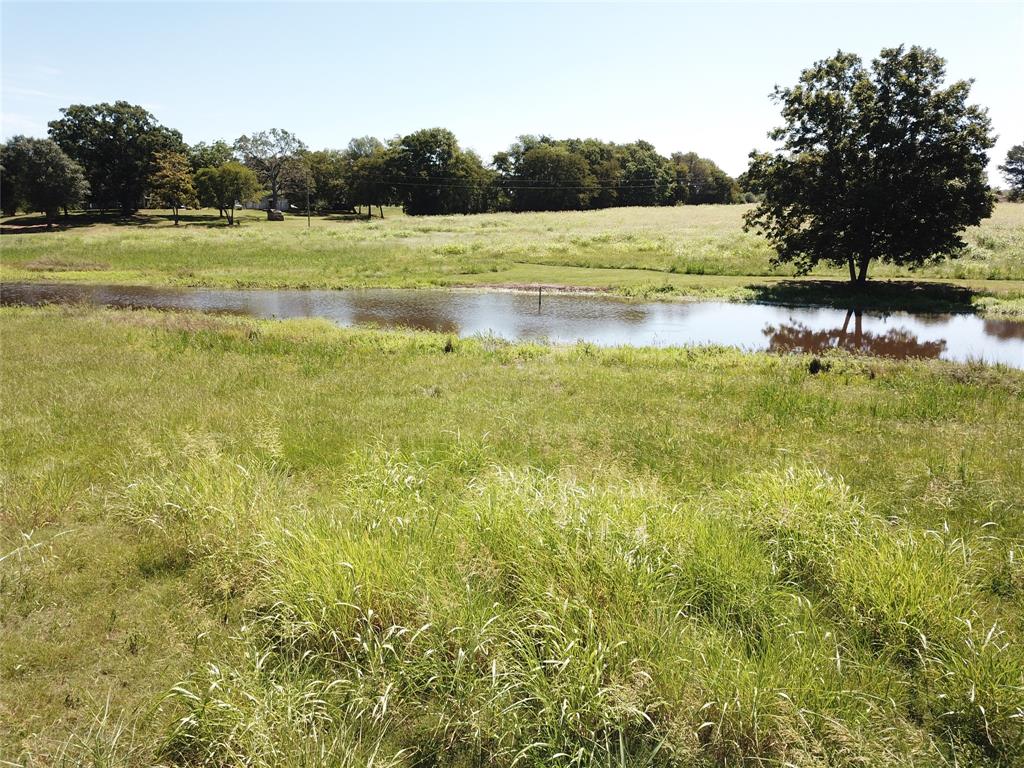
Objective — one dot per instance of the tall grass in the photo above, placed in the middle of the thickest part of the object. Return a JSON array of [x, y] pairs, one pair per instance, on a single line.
[[229, 542], [517, 617]]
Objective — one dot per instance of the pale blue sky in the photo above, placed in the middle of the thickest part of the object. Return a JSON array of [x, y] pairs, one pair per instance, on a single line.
[[683, 76]]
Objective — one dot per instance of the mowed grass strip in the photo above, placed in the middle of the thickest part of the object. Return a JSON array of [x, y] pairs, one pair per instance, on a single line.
[[356, 547]]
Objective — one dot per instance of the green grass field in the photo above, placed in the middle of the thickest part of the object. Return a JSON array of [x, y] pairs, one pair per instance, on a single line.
[[230, 542], [690, 251]]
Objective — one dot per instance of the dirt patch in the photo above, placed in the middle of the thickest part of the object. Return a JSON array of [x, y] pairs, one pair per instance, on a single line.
[[49, 264]]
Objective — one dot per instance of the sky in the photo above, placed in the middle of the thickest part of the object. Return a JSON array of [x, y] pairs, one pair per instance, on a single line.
[[684, 76]]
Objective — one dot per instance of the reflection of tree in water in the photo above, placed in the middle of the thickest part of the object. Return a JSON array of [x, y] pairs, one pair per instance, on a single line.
[[897, 343], [390, 314], [1004, 329]]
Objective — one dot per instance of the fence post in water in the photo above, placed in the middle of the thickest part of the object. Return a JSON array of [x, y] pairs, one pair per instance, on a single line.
[[539, 289]]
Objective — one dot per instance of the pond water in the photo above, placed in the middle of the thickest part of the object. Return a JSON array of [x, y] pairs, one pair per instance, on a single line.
[[563, 318]]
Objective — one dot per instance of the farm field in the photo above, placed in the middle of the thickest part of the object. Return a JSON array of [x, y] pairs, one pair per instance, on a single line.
[[682, 252], [237, 542]]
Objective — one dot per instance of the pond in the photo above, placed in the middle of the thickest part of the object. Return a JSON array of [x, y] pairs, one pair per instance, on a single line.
[[567, 318]]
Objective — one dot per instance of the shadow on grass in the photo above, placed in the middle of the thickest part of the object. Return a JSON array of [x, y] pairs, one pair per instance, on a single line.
[[349, 216], [31, 224], [885, 295]]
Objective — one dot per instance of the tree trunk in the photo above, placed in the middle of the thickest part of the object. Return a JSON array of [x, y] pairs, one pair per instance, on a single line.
[[846, 324], [175, 215], [66, 216], [853, 271], [862, 275], [381, 209]]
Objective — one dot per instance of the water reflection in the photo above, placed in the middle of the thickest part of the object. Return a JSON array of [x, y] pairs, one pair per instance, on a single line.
[[1004, 329], [564, 318], [897, 342]]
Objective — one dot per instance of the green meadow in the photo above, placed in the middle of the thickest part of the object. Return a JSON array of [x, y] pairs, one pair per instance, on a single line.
[[231, 542], [681, 252]]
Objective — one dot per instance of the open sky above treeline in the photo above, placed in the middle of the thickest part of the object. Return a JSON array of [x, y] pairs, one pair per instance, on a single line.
[[686, 77]]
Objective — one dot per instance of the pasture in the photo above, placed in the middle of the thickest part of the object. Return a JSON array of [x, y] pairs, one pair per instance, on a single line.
[[239, 542], [681, 252]]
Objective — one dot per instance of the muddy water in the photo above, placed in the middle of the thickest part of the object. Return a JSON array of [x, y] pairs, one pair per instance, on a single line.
[[563, 318]]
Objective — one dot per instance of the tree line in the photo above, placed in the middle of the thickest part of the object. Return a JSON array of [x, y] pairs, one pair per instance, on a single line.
[[118, 156]]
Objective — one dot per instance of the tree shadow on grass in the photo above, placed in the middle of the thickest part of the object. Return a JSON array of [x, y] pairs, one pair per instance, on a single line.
[[349, 216], [35, 223], [883, 295]]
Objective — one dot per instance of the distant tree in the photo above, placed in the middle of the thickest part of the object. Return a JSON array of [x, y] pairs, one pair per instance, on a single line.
[[434, 175], [369, 183], [46, 178], [329, 186], [225, 185], [203, 155], [882, 164], [271, 155], [551, 178], [1013, 171], [13, 159], [171, 182], [363, 146], [645, 178], [368, 165], [606, 173], [698, 180], [115, 144]]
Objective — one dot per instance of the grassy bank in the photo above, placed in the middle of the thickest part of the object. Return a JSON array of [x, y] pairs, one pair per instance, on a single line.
[[691, 251], [355, 547]]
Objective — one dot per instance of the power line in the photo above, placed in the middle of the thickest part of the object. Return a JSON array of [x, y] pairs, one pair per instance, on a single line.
[[507, 178], [472, 184]]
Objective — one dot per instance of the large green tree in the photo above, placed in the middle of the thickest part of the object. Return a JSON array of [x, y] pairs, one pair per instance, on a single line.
[[883, 163], [434, 175], [327, 172], [646, 177], [551, 178], [1013, 171], [203, 155], [370, 164], [115, 144], [42, 177], [224, 186], [603, 174], [697, 180], [13, 157], [271, 154], [171, 182]]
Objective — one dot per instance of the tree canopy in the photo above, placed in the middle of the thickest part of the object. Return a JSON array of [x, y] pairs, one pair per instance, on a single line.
[[271, 154], [115, 144], [538, 173], [426, 172], [41, 177], [172, 183], [203, 155], [1013, 171], [883, 163], [434, 175], [223, 186]]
